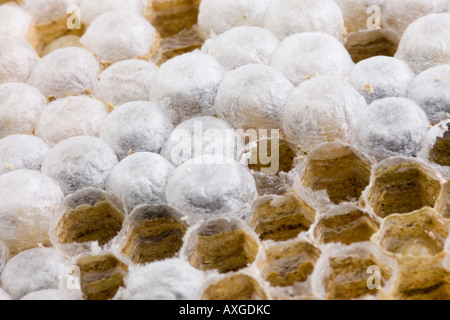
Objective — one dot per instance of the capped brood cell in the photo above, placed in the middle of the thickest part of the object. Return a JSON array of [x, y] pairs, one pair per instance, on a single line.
[[217, 16], [322, 109], [241, 46], [425, 42], [402, 185], [87, 216], [345, 224], [223, 244], [17, 59], [209, 186], [21, 151], [430, 90], [20, 108], [101, 275], [171, 279], [281, 218], [120, 35], [288, 17], [151, 233], [66, 71], [339, 169]]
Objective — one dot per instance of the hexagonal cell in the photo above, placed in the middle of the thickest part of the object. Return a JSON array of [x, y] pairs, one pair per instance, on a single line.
[[345, 224], [420, 233], [234, 287], [270, 159], [288, 263], [402, 185], [86, 216], [417, 241], [101, 276], [339, 169], [281, 218], [371, 43], [344, 272], [151, 233], [225, 244]]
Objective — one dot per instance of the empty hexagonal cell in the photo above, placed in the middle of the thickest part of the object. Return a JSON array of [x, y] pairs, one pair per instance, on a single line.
[[225, 244], [417, 242], [345, 224], [402, 185], [89, 215], [348, 272], [234, 287], [371, 43], [420, 233], [151, 233], [270, 160], [101, 276], [339, 169], [281, 218], [288, 264]]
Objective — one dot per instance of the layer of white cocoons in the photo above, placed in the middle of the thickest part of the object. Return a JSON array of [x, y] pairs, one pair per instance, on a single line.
[[431, 91], [139, 126], [391, 127], [45, 11], [199, 136], [218, 16], [28, 202], [140, 179], [397, 15], [307, 55], [21, 151], [241, 46], [357, 12], [187, 85], [253, 96], [46, 295], [288, 17], [66, 71], [17, 59], [92, 9], [426, 42], [32, 270], [70, 117], [125, 81], [381, 77], [79, 162], [210, 185], [15, 21], [20, 108], [171, 279], [120, 35], [321, 110]]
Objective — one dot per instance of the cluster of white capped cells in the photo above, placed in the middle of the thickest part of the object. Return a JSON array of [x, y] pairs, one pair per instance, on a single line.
[[118, 111]]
